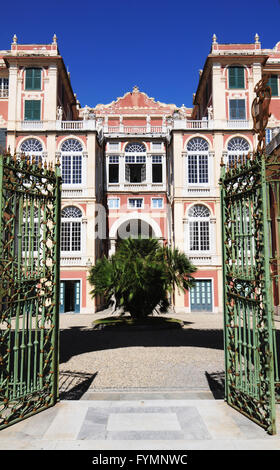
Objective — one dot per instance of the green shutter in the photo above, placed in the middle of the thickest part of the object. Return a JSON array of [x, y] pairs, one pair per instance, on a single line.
[[237, 109], [236, 77], [32, 110], [33, 79], [240, 77], [28, 79], [273, 83]]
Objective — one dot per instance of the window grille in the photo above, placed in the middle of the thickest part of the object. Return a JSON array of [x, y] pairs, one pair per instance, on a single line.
[[71, 229], [32, 148], [4, 87], [197, 144], [135, 203], [71, 161], [199, 228], [198, 161], [237, 148], [157, 159], [135, 147]]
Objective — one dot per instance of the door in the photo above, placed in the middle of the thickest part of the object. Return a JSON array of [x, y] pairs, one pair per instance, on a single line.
[[62, 297], [77, 296], [201, 296]]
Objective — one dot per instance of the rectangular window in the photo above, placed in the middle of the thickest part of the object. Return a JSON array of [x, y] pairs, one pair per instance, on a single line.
[[71, 169], [236, 77], [113, 146], [70, 236], [114, 203], [136, 203], [197, 169], [157, 203], [135, 173], [32, 110], [199, 236], [237, 109], [33, 79], [273, 83], [156, 145], [268, 135], [113, 169], [157, 169], [4, 87]]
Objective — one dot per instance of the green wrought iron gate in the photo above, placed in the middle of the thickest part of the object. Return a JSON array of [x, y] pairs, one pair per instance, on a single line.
[[252, 383], [29, 286]]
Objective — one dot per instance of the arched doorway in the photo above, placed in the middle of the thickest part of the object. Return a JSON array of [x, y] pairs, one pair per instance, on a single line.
[[134, 226]]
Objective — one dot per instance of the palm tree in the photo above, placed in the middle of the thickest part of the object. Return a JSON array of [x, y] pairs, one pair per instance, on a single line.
[[140, 276]]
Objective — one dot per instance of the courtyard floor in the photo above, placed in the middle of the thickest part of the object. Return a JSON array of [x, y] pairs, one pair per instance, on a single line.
[[189, 359]]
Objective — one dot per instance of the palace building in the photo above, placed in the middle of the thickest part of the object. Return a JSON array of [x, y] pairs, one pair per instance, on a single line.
[[137, 165]]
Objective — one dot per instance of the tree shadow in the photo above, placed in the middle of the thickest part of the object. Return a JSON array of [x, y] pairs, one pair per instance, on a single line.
[[78, 340]]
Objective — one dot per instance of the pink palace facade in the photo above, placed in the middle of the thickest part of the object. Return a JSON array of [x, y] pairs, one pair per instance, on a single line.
[[137, 164]]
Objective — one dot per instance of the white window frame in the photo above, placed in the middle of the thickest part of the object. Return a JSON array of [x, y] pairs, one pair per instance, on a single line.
[[134, 199], [72, 220], [238, 153], [197, 154], [199, 220], [114, 199], [153, 199], [71, 154]]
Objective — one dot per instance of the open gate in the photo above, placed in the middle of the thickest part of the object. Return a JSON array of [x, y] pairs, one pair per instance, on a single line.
[[250, 205], [29, 286]]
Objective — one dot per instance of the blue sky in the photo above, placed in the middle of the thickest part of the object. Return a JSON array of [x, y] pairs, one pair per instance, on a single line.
[[111, 45]]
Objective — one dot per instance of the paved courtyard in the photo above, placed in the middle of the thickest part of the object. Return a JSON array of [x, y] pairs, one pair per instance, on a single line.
[[191, 358]]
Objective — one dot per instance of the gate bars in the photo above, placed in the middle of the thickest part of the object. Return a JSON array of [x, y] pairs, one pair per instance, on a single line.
[[250, 340], [29, 286]]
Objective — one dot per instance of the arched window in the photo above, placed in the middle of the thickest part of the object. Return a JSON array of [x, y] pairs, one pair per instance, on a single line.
[[237, 147], [197, 163], [71, 161], [199, 226], [32, 148], [71, 218], [135, 162], [135, 147]]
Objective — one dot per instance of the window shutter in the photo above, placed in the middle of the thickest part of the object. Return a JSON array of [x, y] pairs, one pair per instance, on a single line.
[[240, 77], [33, 79], [28, 110], [236, 77], [28, 79], [32, 110], [273, 83], [237, 109], [36, 79], [231, 77]]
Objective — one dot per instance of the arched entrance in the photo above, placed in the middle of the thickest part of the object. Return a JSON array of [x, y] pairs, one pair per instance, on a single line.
[[134, 225]]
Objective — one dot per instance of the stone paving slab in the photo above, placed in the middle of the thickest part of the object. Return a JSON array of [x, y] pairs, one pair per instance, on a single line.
[[138, 424]]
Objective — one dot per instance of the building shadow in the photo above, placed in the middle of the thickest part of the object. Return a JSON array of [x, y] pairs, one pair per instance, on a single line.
[[78, 340]]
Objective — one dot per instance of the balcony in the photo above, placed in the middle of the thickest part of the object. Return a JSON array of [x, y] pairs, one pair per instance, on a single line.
[[136, 187], [134, 130], [70, 126], [213, 124]]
